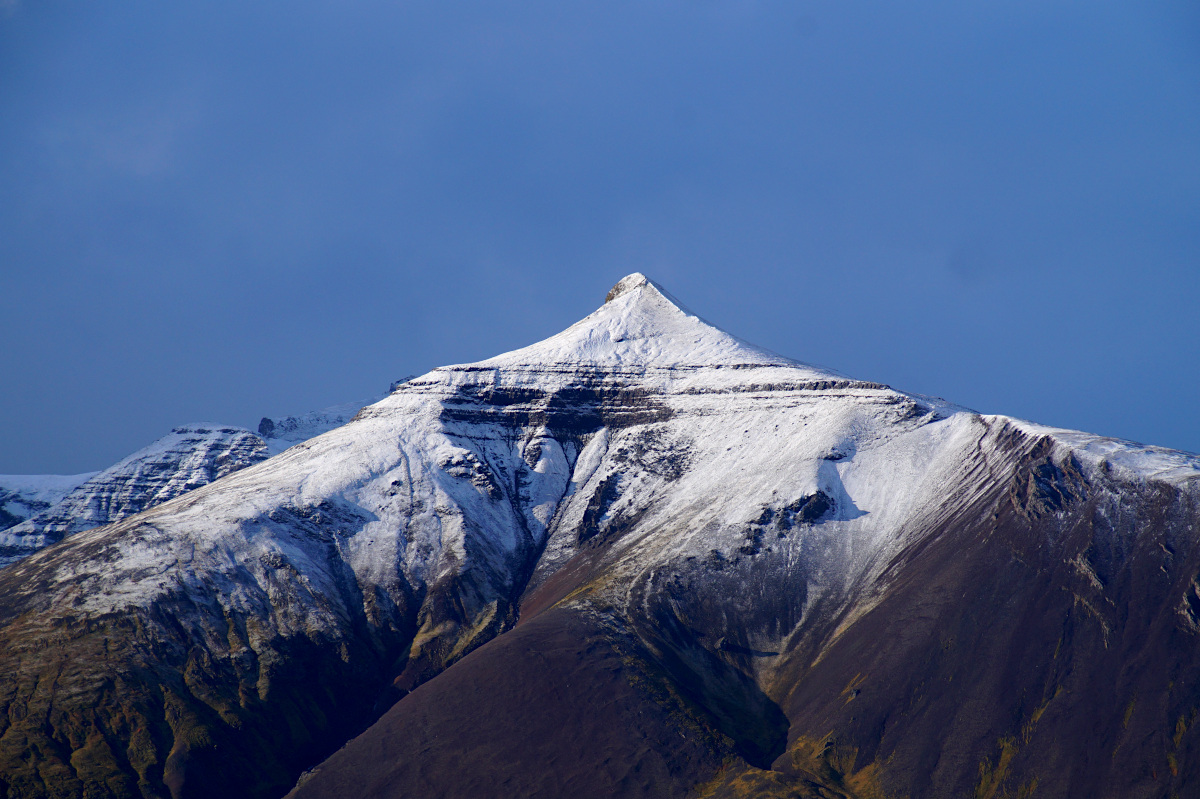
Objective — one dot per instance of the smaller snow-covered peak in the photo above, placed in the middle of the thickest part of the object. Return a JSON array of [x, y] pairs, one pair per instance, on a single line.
[[281, 432], [188, 457]]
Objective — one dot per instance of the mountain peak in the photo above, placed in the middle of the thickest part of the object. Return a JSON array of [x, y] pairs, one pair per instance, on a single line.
[[628, 283], [637, 287], [639, 325]]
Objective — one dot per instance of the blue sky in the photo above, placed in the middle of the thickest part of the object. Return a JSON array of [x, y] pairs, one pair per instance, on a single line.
[[228, 210]]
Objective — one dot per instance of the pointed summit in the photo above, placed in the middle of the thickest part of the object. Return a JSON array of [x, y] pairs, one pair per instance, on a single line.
[[638, 284], [640, 325], [628, 283]]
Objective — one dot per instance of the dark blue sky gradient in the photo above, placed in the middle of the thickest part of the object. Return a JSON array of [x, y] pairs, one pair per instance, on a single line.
[[227, 210]]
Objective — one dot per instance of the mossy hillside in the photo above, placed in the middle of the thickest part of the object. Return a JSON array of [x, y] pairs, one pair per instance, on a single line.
[[134, 706]]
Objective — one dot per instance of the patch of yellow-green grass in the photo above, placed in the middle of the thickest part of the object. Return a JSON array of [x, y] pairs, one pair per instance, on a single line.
[[1027, 730], [819, 768], [1182, 724]]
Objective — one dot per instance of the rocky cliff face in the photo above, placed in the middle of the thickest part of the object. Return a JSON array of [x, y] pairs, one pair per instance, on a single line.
[[641, 557]]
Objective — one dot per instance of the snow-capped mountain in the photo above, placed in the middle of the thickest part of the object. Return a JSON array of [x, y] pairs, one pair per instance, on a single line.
[[639, 558]]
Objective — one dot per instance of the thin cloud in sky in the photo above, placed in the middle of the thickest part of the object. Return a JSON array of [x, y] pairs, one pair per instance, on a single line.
[[236, 210]]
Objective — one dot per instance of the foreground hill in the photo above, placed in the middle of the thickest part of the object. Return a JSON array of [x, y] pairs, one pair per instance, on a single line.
[[717, 572]]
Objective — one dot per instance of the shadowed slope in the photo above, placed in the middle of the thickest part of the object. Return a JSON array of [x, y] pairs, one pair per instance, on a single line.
[[564, 705]]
